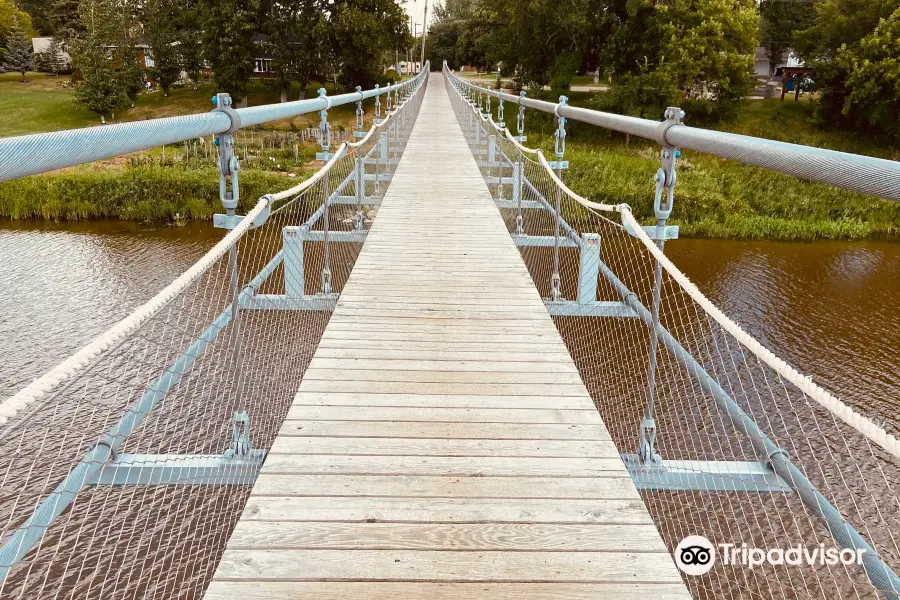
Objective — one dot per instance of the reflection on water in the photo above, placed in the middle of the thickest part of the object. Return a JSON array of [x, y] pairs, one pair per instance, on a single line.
[[831, 309], [63, 284]]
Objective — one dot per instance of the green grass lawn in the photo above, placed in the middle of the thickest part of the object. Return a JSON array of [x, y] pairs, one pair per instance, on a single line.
[[45, 103]]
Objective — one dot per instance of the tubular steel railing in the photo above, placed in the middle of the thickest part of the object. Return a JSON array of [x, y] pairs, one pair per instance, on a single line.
[[31, 154], [875, 176]]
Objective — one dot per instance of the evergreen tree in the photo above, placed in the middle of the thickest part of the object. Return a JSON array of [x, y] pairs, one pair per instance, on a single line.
[[190, 49], [52, 59], [228, 30], [100, 88], [161, 23], [131, 73], [19, 56]]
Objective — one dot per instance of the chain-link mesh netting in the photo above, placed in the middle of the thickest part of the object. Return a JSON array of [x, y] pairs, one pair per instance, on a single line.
[[234, 342], [607, 329]]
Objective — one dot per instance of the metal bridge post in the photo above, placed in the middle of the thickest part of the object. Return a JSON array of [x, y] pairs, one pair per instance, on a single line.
[[360, 191], [555, 284], [228, 169], [588, 268], [326, 259], [518, 176], [294, 276], [665, 183]]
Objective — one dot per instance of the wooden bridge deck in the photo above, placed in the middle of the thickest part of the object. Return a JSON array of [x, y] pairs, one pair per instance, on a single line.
[[442, 444]]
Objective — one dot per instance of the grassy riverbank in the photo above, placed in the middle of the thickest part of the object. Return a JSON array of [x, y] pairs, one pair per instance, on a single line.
[[718, 198], [144, 193]]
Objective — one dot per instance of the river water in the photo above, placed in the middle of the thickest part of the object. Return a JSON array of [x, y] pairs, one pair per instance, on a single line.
[[832, 309]]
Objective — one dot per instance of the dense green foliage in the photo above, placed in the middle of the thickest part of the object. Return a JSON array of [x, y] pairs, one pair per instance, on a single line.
[[358, 32], [853, 45], [779, 22], [228, 28], [161, 21], [141, 193]]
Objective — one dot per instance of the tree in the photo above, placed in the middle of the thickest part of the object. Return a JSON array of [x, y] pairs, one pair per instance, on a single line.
[[293, 28], [873, 77], [360, 31], [458, 34], [779, 21], [190, 48], [10, 15], [228, 29], [52, 59], [161, 19], [669, 53], [19, 56], [833, 46], [131, 74], [543, 41], [99, 88], [40, 15]]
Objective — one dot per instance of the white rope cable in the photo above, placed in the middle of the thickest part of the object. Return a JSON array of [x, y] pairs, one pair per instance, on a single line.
[[854, 419], [115, 334]]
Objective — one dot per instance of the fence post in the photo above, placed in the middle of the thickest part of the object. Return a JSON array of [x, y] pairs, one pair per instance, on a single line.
[[665, 184]]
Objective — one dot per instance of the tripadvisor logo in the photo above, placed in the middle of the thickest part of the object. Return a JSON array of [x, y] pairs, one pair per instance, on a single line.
[[696, 555]]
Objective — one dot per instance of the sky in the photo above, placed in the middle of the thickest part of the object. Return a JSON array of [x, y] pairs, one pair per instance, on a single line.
[[415, 8]]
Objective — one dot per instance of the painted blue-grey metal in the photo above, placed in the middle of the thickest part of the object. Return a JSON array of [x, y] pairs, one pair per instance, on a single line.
[[875, 176], [885, 580], [703, 475], [31, 154], [181, 469]]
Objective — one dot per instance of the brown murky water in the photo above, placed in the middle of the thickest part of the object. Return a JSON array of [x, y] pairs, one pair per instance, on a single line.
[[832, 309]]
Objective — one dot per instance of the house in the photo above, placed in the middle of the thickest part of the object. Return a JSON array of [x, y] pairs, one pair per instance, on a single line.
[[761, 62], [41, 44]]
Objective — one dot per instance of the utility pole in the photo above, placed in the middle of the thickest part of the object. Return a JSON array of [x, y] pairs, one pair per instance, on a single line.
[[424, 29]]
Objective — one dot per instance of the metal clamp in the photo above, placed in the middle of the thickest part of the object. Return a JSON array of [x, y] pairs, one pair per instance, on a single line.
[[520, 119], [560, 142], [487, 106], [324, 127], [228, 163], [240, 436], [359, 109], [666, 177], [222, 103], [377, 102], [500, 109], [647, 446]]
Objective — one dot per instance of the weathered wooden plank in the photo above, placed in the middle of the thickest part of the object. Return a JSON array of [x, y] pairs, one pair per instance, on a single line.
[[442, 465], [438, 387], [461, 430], [443, 447], [344, 590], [413, 565], [441, 434], [609, 485], [439, 352], [446, 536], [439, 401], [449, 415], [402, 366]]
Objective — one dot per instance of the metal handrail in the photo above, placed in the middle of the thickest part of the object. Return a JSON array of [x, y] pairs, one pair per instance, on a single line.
[[876, 176], [25, 155]]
